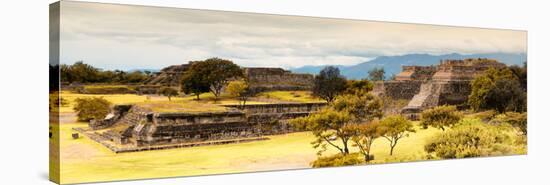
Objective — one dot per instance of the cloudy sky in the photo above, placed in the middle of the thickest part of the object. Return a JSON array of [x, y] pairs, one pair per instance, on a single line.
[[137, 37]]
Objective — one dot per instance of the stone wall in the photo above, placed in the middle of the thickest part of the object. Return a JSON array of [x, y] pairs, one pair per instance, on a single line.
[[141, 127], [422, 73], [269, 79], [397, 89], [168, 76]]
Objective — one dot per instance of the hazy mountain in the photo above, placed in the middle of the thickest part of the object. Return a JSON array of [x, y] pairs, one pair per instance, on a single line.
[[392, 64]]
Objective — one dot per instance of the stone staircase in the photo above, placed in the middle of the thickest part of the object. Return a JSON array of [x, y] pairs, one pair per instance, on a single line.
[[427, 97]]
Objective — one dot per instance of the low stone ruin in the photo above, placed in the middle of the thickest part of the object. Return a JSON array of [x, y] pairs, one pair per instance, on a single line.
[[445, 84], [134, 128]]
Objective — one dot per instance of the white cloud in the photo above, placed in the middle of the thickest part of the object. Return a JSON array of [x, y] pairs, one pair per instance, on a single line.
[[127, 37]]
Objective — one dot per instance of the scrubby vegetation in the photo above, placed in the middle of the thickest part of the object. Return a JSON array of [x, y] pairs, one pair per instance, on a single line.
[[168, 92], [337, 160], [81, 72], [499, 89], [91, 108], [473, 138], [518, 120], [440, 117]]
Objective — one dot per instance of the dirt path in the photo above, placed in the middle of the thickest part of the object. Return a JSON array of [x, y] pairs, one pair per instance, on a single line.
[[67, 117]]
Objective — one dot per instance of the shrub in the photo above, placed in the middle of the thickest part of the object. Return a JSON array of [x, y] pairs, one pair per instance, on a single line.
[[168, 91], [91, 108], [440, 117], [473, 138], [518, 120], [337, 160], [485, 116]]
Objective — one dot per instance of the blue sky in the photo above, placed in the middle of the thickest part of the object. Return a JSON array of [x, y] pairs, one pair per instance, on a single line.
[[138, 37]]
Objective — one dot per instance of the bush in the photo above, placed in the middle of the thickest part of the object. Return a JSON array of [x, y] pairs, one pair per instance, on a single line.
[[337, 160], [91, 108], [518, 120], [440, 117], [485, 116], [168, 92], [473, 138]]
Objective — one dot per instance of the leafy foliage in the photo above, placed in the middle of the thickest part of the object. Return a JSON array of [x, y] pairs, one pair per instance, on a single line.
[[337, 160], [338, 121], [473, 138], [358, 86], [168, 91], [394, 128], [84, 73], [518, 120], [327, 126], [193, 82], [498, 89], [485, 116], [377, 74], [329, 83], [440, 117], [214, 73], [363, 137], [363, 107], [240, 90], [91, 108]]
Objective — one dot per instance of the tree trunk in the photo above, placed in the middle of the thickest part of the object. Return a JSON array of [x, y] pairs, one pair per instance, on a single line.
[[198, 96], [346, 150], [391, 148], [169, 98]]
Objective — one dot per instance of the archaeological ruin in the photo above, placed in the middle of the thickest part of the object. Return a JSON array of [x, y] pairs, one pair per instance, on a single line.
[[428, 86], [260, 79], [136, 127]]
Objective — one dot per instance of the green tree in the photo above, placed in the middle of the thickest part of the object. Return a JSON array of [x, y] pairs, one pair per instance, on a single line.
[[440, 117], [358, 86], [240, 90], [394, 128], [192, 83], [327, 126], [497, 89], [363, 137], [329, 83], [91, 108], [214, 72], [521, 74], [362, 107], [168, 91], [472, 138], [377, 74]]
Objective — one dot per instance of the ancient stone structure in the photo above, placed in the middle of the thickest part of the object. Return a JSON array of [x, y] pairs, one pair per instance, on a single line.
[[261, 79], [268, 79], [427, 87], [137, 126], [415, 73], [168, 76]]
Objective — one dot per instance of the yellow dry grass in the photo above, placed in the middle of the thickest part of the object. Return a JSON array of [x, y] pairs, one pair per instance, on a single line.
[[293, 96], [84, 160]]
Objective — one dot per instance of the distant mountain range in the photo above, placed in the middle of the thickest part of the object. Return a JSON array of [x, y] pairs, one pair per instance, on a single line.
[[392, 64]]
